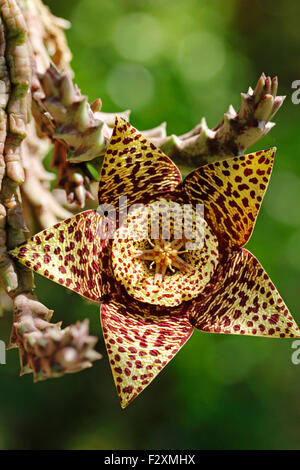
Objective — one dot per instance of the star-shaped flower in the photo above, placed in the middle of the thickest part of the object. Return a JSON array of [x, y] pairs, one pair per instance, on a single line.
[[153, 291]]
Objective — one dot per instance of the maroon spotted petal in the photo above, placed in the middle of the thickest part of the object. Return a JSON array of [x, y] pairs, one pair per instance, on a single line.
[[72, 254], [140, 346], [241, 299], [134, 167], [232, 192]]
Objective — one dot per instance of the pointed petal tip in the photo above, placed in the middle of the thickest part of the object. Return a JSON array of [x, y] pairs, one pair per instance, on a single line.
[[132, 158], [247, 192], [139, 348], [243, 300], [271, 151], [60, 253], [13, 252], [119, 120], [124, 403]]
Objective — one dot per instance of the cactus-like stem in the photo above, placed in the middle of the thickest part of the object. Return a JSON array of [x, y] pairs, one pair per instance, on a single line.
[[19, 68], [81, 131], [39, 204], [46, 36], [65, 115], [45, 350], [236, 132], [75, 179]]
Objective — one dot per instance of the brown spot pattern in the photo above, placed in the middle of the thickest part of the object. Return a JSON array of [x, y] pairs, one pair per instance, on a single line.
[[134, 167], [241, 299], [71, 254], [232, 192], [139, 279], [238, 296], [139, 347]]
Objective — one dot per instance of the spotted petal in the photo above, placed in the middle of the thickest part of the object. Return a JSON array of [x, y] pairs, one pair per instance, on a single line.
[[71, 254], [241, 299], [140, 346], [134, 167], [232, 192]]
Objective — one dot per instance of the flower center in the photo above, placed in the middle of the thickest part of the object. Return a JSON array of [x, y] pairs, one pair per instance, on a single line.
[[164, 255], [159, 265]]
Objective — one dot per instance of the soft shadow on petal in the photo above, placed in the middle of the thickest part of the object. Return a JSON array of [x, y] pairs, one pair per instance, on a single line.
[[241, 299], [232, 192], [140, 346], [72, 254], [135, 168]]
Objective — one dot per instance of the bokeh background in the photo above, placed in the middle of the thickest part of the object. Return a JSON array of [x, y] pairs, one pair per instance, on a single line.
[[179, 60]]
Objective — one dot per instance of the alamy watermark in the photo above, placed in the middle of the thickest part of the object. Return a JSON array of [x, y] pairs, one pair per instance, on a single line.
[[2, 352], [295, 358], [159, 219], [296, 93]]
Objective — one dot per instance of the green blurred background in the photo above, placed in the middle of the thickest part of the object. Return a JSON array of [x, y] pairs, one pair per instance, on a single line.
[[179, 60]]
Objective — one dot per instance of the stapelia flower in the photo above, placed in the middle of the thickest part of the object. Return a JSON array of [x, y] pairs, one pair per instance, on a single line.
[[154, 292]]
